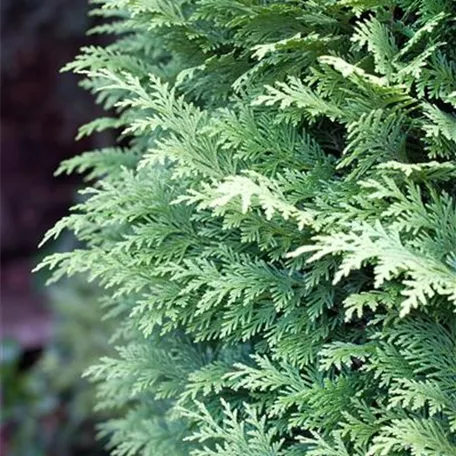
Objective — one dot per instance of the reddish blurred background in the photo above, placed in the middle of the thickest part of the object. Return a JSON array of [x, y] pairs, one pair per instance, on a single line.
[[40, 113]]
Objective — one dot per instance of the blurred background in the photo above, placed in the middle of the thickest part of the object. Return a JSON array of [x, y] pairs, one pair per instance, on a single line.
[[48, 335]]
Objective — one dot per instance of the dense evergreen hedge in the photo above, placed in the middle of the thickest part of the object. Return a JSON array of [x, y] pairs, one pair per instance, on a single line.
[[276, 235]]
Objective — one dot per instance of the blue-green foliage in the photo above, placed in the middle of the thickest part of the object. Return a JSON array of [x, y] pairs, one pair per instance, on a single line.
[[277, 235]]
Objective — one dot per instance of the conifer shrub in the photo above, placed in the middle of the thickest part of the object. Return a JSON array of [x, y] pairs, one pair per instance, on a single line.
[[276, 233]]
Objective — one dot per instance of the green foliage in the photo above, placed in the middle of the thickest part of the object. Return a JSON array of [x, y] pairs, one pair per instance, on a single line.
[[276, 237], [48, 407]]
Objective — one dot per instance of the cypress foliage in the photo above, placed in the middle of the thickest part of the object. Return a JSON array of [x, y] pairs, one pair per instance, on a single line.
[[277, 234]]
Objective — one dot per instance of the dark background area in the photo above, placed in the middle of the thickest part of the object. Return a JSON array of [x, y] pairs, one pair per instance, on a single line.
[[41, 111]]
